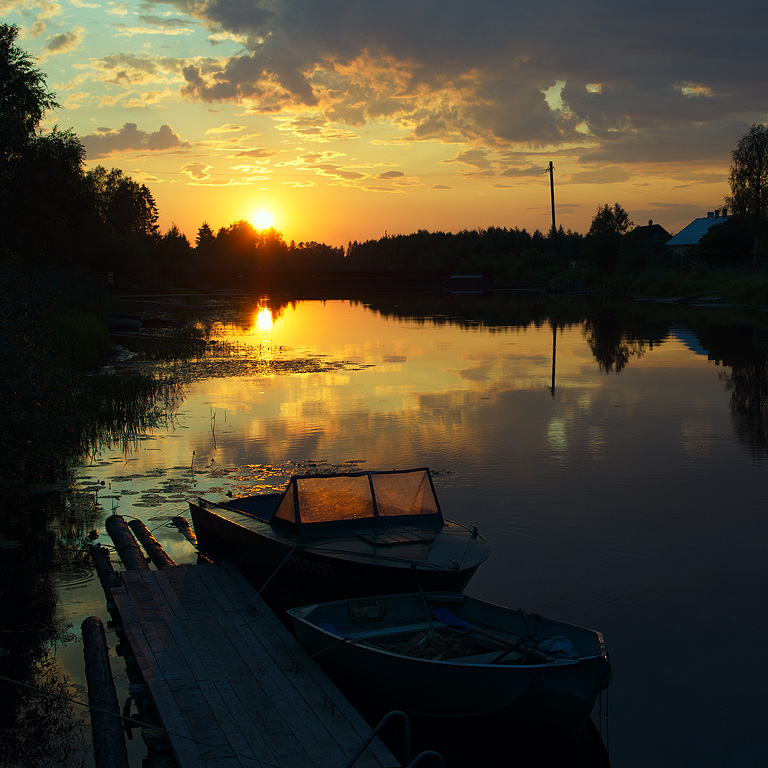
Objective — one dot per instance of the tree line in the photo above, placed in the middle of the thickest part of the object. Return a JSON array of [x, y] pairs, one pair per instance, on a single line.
[[55, 212]]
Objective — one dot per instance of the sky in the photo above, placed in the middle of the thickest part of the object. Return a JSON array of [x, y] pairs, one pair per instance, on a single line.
[[348, 120]]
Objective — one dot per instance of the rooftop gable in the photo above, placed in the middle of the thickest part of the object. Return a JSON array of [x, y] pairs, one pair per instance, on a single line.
[[691, 234]]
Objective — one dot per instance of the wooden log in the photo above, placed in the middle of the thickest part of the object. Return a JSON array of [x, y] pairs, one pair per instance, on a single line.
[[104, 570], [125, 543], [185, 529], [106, 723], [157, 554]]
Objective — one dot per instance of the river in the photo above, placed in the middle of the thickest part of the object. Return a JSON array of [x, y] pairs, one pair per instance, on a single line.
[[614, 457]]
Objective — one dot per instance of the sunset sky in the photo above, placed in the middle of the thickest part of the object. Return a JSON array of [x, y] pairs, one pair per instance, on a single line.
[[349, 119]]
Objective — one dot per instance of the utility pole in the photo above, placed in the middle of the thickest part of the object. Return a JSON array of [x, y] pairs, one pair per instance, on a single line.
[[551, 170]]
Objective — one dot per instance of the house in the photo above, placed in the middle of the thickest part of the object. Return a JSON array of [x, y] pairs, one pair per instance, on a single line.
[[690, 235], [651, 233]]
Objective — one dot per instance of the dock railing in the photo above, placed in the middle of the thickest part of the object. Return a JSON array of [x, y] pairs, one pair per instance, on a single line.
[[419, 759]]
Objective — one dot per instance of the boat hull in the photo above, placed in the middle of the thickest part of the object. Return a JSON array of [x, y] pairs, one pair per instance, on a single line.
[[557, 695], [297, 574]]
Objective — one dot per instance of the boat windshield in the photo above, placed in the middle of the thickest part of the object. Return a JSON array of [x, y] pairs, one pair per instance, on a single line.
[[373, 498]]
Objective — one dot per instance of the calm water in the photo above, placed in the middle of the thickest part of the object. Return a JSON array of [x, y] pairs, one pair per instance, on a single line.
[[616, 461]]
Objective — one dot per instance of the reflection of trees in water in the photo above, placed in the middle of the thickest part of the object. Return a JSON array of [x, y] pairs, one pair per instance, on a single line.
[[39, 730], [116, 409], [611, 349], [744, 348], [748, 385], [615, 340], [43, 729]]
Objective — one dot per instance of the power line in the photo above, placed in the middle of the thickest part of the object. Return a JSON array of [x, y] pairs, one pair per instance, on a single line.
[[634, 190]]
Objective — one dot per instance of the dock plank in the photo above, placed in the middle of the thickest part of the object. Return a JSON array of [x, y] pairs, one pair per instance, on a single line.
[[312, 687], [222, 672]]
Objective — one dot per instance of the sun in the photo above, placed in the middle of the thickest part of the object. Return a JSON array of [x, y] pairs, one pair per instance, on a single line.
[[261, 219]]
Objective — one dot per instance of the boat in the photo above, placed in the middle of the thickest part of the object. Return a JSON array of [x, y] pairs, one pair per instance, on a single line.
[[448, 655], [328, 537]]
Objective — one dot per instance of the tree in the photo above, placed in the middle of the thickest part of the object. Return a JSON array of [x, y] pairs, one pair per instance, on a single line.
[[47, 208], [41, 175], [24, 97], [610, 222], [748, 176], [205, 237], [604, 239], [125, 206]]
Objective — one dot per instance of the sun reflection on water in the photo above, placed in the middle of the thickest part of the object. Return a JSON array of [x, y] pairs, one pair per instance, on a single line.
[[263, 319]]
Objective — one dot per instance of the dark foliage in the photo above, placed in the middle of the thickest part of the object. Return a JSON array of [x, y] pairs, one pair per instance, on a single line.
[[748, 176], [605, 238], [510, 255], [733, 241], [24, 97]]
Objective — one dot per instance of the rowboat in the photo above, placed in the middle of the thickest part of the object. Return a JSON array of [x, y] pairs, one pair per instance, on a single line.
[[450, 655], [328, 537]]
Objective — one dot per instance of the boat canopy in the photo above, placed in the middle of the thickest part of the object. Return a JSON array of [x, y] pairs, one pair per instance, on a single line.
[[363, 500]]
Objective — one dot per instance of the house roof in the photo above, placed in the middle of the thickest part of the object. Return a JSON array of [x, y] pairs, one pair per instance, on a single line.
[[691, 234], [651, 232]]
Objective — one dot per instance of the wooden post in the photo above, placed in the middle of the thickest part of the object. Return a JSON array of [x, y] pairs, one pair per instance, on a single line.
[[157, 554], [125, 543], [551, 170], [106, 723]]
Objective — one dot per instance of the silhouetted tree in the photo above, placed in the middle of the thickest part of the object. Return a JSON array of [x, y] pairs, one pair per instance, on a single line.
[[42, 193], [47, 207], [125, 206], [236, 245], [748, 176], [24, 97], [205, 237], [603, 241]]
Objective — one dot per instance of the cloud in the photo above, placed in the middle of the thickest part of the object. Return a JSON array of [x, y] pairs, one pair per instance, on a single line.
[[108, 141], [387, 175], [256, 154], [166, 22], [64, 42], [197, 171], [130, 69], [228, 128], [486, 74], [478, 158]]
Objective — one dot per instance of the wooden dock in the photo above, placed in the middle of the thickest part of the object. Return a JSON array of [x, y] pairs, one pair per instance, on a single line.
[[231, 685]]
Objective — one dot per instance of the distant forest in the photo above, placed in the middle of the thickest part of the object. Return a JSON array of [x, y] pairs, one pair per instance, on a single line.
[[54, 213]]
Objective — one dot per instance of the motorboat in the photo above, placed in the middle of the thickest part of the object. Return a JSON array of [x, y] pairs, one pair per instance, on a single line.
[[328, 537]]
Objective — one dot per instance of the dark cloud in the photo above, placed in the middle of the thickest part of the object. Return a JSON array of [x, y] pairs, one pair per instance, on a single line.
[[478, 72], [66, 41], [107, 141]]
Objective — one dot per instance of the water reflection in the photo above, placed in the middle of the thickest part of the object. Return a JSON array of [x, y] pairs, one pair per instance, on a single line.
[[38, 725], [264, 320], [614, 455]]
